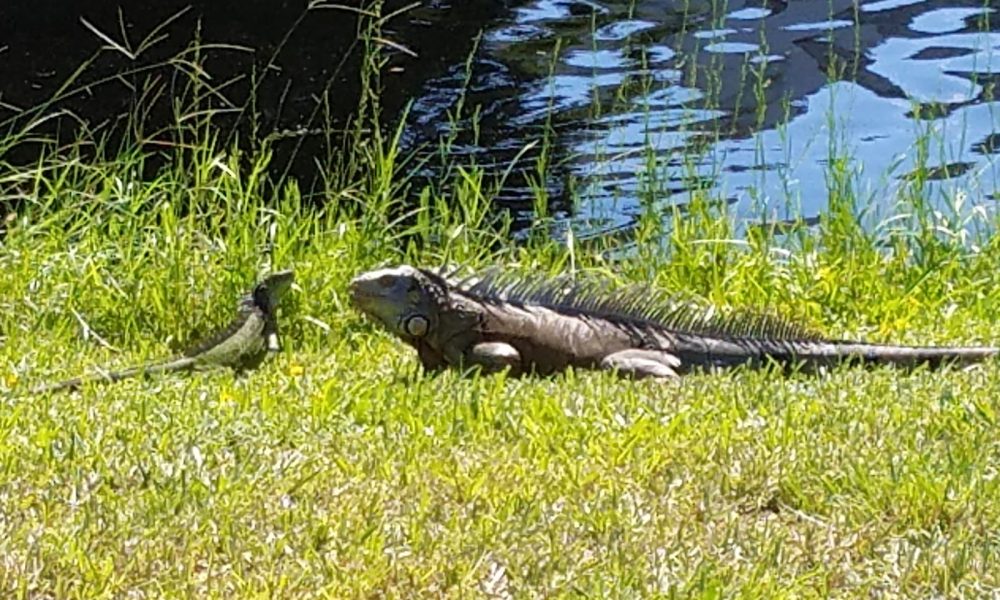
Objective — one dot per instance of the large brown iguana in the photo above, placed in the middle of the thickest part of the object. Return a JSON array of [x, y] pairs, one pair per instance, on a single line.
[[539, 325], [243, 344]]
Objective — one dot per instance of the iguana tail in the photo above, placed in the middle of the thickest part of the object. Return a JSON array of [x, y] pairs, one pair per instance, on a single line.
[[179, 364], [830, 353], [911, 356]]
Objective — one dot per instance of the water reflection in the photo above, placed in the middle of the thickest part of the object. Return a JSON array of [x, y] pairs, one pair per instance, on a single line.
[[748, 100]]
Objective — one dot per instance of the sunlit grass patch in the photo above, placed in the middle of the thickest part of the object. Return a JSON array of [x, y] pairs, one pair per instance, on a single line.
[[340, 469]]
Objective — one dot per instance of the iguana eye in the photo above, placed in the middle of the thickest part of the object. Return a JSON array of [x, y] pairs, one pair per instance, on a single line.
[[415, 326]]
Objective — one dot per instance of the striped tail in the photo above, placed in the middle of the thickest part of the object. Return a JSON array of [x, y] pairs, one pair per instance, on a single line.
[[886, 354], [109, 377]]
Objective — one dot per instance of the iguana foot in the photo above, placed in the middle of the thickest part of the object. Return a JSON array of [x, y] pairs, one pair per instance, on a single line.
[[640, 364]]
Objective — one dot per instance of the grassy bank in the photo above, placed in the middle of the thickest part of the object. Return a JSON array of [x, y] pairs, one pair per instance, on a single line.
[[339, 469]]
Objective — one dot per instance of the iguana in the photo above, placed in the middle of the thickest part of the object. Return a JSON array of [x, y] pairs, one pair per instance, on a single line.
[[243, 344], [532, 324]]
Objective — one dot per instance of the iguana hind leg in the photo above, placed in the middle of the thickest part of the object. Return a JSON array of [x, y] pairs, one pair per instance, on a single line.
[[640, 364]]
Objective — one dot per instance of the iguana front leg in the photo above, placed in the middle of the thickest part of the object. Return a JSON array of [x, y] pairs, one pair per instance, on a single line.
[[431, 359], [494, 356], [639, 364], [491, 357]]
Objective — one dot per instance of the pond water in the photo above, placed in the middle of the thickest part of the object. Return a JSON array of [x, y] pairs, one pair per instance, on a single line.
[[646, 100], [638, 101], [298, 59]]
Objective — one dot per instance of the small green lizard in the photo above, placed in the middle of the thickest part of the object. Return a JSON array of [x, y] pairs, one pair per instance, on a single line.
[[242, 345]]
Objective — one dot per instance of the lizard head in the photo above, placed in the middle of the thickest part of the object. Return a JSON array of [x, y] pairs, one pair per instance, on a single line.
[[269, 291], [405, 300]]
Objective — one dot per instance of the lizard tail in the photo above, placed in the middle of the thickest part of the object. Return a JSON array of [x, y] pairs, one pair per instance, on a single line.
[[908, 356], [185, 362]]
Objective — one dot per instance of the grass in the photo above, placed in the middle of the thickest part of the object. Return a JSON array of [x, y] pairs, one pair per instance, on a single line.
[[340, 470]]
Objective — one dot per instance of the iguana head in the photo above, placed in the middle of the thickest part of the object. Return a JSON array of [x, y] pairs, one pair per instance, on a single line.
[[405, 300], [271, 288], [266, 296]]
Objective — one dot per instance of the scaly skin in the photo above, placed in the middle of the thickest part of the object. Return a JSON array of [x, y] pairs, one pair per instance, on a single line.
[[453, 324], [242, 345]]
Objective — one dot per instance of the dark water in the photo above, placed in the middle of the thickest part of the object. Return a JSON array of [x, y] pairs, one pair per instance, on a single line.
[[284, 69], [616, 79]]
